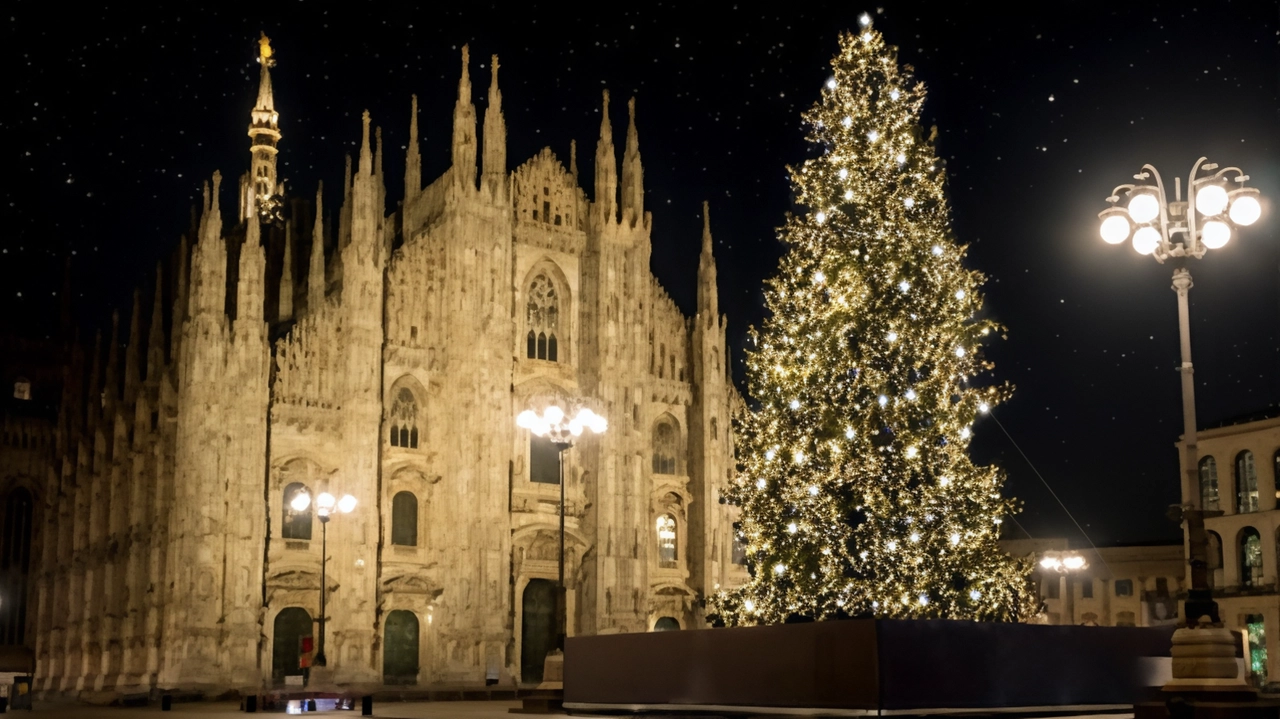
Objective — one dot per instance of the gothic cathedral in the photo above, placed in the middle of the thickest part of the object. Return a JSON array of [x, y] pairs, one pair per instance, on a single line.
[[386, 359]]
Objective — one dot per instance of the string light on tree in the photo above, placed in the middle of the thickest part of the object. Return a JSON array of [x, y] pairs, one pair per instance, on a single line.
[[868, 373]]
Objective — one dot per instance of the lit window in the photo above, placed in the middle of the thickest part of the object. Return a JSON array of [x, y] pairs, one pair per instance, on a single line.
[[297, 524], [1209, 484], [739, 553], [1246, 483], [1250, 557], [667, 541], [22, 389]]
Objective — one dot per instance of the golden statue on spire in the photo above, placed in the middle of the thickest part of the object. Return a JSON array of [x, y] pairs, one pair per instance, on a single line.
[[264, 50]]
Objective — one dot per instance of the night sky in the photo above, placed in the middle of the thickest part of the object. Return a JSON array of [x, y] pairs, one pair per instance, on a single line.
[[112, 118]]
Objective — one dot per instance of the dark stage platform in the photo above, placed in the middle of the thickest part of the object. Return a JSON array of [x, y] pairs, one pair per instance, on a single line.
[[868, 666]]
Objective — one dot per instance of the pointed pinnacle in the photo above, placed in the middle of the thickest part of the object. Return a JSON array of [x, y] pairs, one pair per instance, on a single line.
[[633, 137], [706, 227], [606, 130], [413, 123], [366, 156]]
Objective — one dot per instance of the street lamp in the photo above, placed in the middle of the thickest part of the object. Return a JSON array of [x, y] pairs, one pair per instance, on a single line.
[[1218, 204], [552, 424], [326, 505], [1063, 562]]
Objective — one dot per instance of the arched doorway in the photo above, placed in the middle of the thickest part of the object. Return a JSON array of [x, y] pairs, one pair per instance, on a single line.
[[291, 625], [400, 648], [666, 624], [537, 628]]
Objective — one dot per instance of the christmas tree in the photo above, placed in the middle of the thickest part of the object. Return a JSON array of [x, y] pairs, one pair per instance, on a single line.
[[857, 494]]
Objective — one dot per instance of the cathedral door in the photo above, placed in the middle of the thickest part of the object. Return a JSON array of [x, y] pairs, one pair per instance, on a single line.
[[292, 624], [400, 648], [537, 633]]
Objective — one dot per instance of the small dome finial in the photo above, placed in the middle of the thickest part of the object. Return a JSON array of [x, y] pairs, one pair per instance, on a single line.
[[265, 53]]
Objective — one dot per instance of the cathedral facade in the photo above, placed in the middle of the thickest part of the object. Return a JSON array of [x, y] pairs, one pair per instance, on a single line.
[[387, 360]]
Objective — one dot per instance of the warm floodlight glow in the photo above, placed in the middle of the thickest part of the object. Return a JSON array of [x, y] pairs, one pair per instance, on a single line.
[[1215, 234], [526, 419], [1074, 561], [1245, 210], [1115, 229], [1143, 207], [553, 414], [1146, 240], [300, 502], [346, 504], [1211, 200]]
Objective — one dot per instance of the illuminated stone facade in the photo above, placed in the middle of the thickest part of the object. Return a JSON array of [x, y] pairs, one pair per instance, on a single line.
[[387, 360]]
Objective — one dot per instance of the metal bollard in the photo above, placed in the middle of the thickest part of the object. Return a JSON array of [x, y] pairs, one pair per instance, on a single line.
[[166, 702], [366, 706], [311, 705], [251, 703]]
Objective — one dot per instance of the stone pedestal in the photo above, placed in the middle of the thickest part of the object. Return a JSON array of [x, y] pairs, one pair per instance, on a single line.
[[1204, 662], [320, 679], [553, 672]]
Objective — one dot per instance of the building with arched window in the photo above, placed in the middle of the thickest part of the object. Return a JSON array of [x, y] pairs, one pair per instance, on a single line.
[[1120, 586], [1244, 539], [355, 343]]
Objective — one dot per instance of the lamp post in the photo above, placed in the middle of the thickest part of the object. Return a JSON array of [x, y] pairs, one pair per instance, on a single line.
[[554, 424], [1217, 205], [1065, 563], [326, 504]]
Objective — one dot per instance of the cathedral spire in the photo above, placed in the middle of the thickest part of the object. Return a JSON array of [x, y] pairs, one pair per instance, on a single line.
[[94, 405], [111, 384], [606, 168], [250, 284], [632, 172], [366, 153], [180, 288], [464, 127], [132, 353], [209, 259], [495, 136], [344, 212], [264, 131], [155, 335], [315, 272], [708, 303], [573, 160], [413, 160], [284, 310]]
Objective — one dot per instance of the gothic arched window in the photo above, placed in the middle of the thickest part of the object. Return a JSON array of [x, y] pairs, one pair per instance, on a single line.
[[296, 525], [404, 519], [22, 388], [404, 420], [1209, 483], [542, 312], [1246, 483], [665, 444], [1250, 557], [667, 554]]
